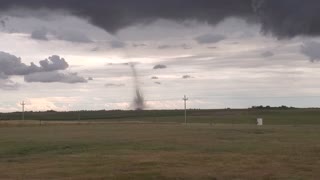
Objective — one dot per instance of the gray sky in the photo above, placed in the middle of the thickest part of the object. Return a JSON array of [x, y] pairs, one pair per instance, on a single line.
[[54, 59]]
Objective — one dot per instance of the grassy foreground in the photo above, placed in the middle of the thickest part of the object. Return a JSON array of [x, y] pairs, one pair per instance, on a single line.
[[159, 151]]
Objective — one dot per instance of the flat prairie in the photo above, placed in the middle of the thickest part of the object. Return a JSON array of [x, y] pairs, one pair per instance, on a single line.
[[158, 151]]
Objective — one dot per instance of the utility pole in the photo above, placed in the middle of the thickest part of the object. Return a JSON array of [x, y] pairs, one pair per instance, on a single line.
[[185, 99], [23, 104]]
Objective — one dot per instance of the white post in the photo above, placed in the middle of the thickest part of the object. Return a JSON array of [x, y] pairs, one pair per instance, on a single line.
[[259, 121]]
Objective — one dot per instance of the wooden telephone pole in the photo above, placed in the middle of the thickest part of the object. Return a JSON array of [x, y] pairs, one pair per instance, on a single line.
[[23, 104], [185, 99]]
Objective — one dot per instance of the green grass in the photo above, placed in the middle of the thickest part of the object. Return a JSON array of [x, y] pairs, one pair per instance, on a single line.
[[159, 151]]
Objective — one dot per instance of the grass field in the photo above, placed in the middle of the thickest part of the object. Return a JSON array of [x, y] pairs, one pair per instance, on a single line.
[[159, 151]]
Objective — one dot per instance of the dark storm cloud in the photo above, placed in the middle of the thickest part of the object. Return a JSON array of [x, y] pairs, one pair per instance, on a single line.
[[164, 47], [267, 54], [160, 66], [114, 85], [312, 50], [117, 44], [54, 76], [69, 36], [3, 23], [187, 77], [183, 46], [73, 36], [186, 46], [11, 65], [53, 63], [113, 15], [3, 76], [210, 38], [288, 18], [282, 18], [40, 34], [136, 45]]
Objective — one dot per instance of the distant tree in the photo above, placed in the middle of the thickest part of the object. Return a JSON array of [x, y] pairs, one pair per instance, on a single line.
[[51, 111]]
